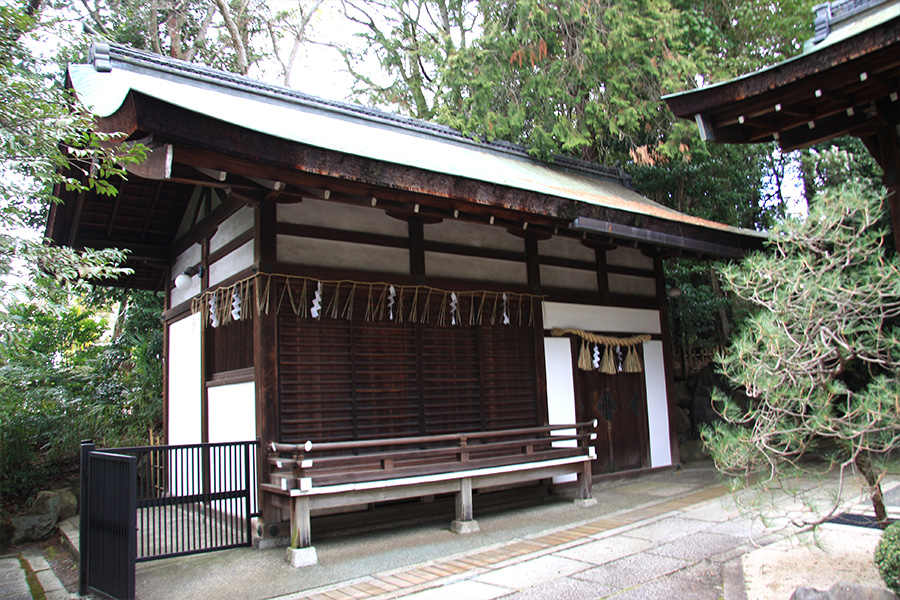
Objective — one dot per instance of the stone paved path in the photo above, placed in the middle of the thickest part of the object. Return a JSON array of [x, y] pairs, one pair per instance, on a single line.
[[674, 549]]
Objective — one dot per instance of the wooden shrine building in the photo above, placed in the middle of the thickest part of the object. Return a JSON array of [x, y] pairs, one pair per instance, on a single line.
[[846, 82], [346, 274]]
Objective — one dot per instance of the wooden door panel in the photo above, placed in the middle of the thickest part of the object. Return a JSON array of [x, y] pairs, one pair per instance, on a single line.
[[619, 404], [626, 422]]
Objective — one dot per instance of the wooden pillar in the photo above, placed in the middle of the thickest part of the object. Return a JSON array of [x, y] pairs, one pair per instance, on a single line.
[[301, 552], [265, 363], [301, 532], [417, 248], [585, 488], [533, 269], [465, 514]]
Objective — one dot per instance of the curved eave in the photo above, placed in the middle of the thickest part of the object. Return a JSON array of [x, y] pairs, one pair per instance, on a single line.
[[813, 97], [715, 97]]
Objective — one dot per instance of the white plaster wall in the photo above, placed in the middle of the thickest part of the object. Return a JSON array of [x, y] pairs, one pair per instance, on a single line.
[[231, 410], [657, 404], [629, 257], [562, 247], [184, 381], [322, 213], [600, 318], [475, 269], [188, 258], [473, 235], [232, 227], [342, 255], [634, 286], [233, 262], [573, 279], [560, 389]]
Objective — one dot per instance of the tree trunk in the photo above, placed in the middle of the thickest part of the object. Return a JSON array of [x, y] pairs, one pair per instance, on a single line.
[[864, 464]]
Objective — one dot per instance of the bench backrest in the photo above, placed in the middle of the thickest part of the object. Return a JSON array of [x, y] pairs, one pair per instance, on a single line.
[[333, 463]]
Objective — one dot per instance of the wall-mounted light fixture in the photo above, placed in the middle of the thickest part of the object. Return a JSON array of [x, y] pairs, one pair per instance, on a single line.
[[183, 281]]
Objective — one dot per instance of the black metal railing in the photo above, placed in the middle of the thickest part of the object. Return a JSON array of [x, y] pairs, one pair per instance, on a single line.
[[194, 498]]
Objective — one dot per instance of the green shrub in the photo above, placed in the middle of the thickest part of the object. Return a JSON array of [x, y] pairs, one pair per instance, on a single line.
[[64, 381], [887, 557]]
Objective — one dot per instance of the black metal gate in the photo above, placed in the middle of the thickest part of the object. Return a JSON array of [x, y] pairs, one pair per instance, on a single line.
[[155, 502], [108, 532]]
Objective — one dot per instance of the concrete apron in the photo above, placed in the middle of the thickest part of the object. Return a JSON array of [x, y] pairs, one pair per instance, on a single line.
[[351, 560]]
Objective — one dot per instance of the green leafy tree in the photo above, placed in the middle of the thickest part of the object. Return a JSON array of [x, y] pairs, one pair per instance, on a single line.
[[580, 78], [66, 377], [413, 41], [46, 142], [820, 359], [746, 35]]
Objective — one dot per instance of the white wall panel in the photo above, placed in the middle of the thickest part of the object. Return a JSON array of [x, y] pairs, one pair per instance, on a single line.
[[188, 258], [229, 229], [342, 255], [475, 269], [573, 279], [232, 263], [184, 381], [560, 388], [474, 235], [322, 213], [600, 318], [232, 418], [232, 412], [631, 285], [629, 257], [562, 247], [657, 404]]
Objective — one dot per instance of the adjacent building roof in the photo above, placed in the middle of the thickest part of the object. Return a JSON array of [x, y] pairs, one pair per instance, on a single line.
[[202, 110], [847, 73]]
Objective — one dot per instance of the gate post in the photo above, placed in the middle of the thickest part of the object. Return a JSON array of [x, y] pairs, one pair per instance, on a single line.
[[87, 446]]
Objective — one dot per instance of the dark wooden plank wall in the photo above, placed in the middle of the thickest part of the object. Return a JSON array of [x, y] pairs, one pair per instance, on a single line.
[[354, 379], [232, 346]]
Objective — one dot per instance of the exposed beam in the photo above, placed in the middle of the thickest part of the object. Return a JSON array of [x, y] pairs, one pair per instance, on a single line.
[[214, 174], [137, 251], [152, 208], [157, 163], [207, 226]]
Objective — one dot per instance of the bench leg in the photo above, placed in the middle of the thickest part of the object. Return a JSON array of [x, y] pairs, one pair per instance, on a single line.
[[301, 553], [585, 494], [465, 521]]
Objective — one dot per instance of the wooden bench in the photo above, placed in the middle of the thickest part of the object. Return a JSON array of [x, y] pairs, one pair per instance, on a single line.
[[340, 474]]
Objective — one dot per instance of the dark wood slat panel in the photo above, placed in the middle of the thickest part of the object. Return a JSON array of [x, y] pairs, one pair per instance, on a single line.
[[316, 387], [363, 379]]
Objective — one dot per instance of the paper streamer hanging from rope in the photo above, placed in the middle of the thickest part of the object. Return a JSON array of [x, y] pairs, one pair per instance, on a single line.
[[317, 302], [213, 317], [235, 306], [392, 295]]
